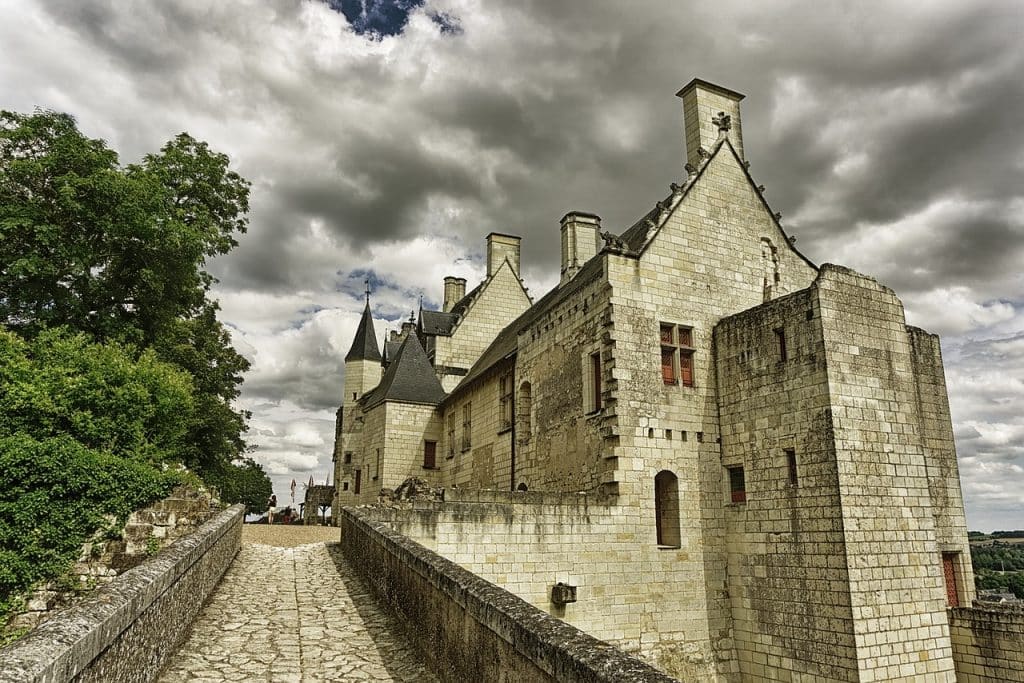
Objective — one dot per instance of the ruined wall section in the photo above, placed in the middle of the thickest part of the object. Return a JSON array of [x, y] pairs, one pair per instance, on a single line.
[[707, 261], [940, 456], [500, 301], [562, 445], [787, 576], [895, 569], [487, 462]]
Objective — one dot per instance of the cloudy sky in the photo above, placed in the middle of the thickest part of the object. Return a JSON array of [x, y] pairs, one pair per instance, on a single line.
[[385, 138]]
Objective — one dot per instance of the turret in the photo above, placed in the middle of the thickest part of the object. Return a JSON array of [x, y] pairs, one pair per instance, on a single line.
[[362, 363]]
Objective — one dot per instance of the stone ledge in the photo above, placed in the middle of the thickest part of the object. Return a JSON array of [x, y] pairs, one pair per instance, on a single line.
[[67, 644], [549, 645]]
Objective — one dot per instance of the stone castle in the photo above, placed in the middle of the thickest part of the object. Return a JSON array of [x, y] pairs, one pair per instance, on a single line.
[[738, 464]]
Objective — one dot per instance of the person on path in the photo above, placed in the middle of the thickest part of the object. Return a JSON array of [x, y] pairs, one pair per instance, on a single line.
[[271, 508]]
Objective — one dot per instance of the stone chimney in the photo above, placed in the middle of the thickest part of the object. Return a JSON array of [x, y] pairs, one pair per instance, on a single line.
[[454, 290], [499, 248], [707, 110], [579, 241]]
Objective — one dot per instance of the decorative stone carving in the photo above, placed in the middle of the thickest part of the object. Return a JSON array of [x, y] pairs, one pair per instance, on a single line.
[[723, 121], [613, 241]]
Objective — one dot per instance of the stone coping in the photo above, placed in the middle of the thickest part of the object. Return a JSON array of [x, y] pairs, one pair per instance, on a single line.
[[63, 646], [559, 649], [582, 499]]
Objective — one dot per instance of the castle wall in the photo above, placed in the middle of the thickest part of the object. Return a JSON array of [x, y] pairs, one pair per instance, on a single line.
[[627, 587], [487, 462], [499, 302], [988, 643], [787, 575], [940, 457], [560, 443], [893, 559]]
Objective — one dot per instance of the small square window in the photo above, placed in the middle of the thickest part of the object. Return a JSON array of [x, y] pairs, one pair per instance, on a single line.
[[737, 485]]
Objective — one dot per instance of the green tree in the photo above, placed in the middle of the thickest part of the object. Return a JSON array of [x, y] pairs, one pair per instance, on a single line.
[[243, 482], [119, 253]]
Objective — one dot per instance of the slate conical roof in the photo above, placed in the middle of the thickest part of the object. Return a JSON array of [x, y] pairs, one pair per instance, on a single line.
[[409, 377], [364, 346]]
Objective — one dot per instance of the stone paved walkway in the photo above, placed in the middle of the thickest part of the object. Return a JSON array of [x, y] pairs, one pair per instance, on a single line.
[[284, 614]]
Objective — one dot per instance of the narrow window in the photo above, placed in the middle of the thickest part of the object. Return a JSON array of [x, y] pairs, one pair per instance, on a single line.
[[737, 485], [523, 408], [467, 426], [344, 486], [780, 336], [791, 465], [429, 455], [451, 434], [348, 457], [666, 509], [949, 572], [359, 479], [506, 402], [595, 369], [668, 354], [377, 468], [353, 395]]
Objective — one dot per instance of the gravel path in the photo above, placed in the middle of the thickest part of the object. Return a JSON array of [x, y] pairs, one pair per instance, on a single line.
[[290, 608]]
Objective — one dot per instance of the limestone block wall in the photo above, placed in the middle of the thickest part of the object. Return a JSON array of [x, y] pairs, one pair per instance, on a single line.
[[941, 467], [630, 591], [474, 629], [988, 643], [488, 460], [127, 629], [787, 574], [561, 439], [500, 301], [896, 584]]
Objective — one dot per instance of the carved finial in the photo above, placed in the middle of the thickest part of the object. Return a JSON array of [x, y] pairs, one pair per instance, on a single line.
[[778, 215], [703, 153], [792, 239], [676, 188], [723, 121], [662, 205], [412, 316], [612, 241], [746, 164], [690, 169], [760, 188], [367, 283]]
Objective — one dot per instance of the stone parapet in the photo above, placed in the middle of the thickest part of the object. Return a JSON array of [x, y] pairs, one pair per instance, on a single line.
[[988, 642], [478, 631], [127, 629]]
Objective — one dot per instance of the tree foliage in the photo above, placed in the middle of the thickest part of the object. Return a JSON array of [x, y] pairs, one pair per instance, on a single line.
[[243, 482], [119, 253]]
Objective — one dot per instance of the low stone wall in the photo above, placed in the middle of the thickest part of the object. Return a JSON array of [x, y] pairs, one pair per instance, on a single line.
[[988, 642], [127, 629], [469, 628]]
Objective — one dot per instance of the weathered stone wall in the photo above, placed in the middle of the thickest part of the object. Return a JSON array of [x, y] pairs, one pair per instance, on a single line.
[[128, 628], [487, 462], [469, 628], [630, 591], [790, 600], [988, 643], [893, 558], [360, 377]]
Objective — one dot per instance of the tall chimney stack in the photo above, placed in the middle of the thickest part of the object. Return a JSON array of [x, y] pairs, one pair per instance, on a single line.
[[454, 290], [703, 106], [499, 248], [579, 241]]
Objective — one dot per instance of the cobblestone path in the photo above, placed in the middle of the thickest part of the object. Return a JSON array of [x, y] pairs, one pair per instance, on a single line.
[[284, 614]]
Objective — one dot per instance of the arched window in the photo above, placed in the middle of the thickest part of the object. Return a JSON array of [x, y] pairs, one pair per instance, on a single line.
[[523, 406], [666, 509]]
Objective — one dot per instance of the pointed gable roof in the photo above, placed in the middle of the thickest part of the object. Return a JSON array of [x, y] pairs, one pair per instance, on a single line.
[[408, 379], [364, 345]]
